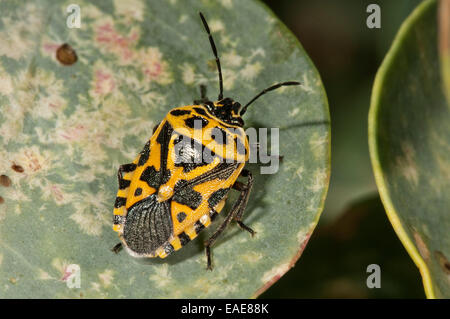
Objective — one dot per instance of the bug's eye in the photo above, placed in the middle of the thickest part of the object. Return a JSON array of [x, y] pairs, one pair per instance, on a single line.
[[236, 107]]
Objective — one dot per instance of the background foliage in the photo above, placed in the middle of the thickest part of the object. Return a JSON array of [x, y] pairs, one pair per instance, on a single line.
[[348, 55], [409, 136], [70, 126]]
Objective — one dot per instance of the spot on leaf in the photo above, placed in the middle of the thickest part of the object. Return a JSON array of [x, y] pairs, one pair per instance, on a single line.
[[66, 54]]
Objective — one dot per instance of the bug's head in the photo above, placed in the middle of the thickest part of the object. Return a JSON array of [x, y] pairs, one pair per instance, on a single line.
[[227, 109]]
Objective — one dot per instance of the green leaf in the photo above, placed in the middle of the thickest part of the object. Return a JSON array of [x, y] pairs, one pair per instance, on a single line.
[[444, 44], [409, 137], [69, 127]]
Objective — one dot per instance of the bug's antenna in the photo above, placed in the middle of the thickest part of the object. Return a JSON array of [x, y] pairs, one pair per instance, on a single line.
[[271, 88], [213, 47]]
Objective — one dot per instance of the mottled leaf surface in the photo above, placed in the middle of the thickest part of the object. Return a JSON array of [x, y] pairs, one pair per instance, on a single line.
[[66, 128], [409, 136]]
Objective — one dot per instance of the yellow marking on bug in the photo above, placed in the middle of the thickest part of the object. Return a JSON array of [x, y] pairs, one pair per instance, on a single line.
[[205, 220], [176, 243], [117, 227], [221, 204], [190, 231], [122, 192], [119, 211], [165, 192], [160, 253]]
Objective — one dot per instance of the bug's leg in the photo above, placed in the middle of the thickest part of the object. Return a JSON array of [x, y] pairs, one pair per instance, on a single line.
[[117, 248], [236, 213], [220, 230], [155, 127], [245, 190]]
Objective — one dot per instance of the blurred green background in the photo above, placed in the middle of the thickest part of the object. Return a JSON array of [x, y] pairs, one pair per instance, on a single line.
[[353, 231]]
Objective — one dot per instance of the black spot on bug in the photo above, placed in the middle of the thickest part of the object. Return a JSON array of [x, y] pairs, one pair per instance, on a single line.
[[5, 181], [180, 112], [66, 55], [217, 196], [126, 168], [181, 216], [178, 139], [144, 155], [201, 111], [117, 219], [219, 135], [124, 183], [138, 191], [163, 139], [120, 201], [191, 154], [185, 194], [190, 122], [240, 147], [17, 168], [198, 226], [184, 239], [155, 128], [168, 249], [213, 214], [150, 176], [153, 177]]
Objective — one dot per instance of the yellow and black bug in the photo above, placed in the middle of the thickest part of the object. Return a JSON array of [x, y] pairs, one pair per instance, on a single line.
[[166, 196]]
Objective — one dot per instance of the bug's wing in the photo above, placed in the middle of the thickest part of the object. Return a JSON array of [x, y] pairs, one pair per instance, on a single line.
[[197, 201], [148, 226], [200, 196], [151, 171]]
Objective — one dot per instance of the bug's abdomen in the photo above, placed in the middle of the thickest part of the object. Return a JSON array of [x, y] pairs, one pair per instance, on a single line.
[[148, 226]]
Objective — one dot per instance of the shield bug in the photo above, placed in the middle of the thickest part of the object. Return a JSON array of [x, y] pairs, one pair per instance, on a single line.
[[170, 193]]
